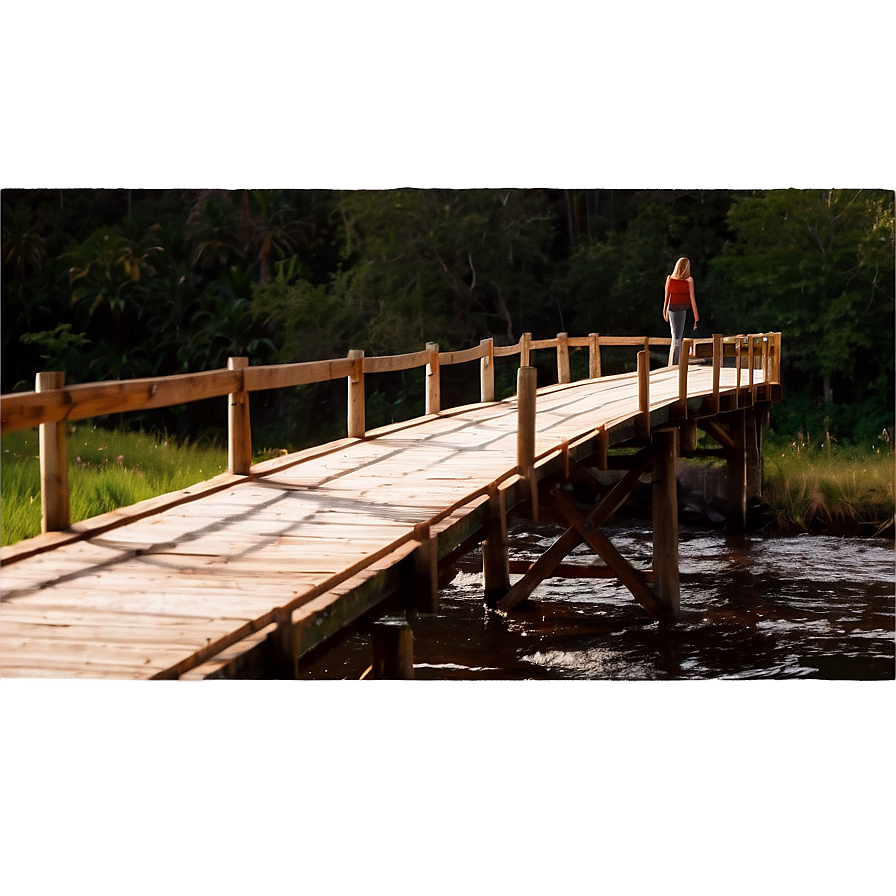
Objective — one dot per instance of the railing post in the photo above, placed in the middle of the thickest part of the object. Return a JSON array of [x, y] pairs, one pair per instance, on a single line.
[[716, 369], [738, 354], [593, 355], [644, 392], [683, 365], [563, 358], [777, 373], [525, 349], [52, 438], [526, 392], [357, 421], [433, 387], [239, 428], [751, 360], [487, 371]]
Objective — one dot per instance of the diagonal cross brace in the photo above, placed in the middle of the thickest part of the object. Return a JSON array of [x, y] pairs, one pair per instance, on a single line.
[[581, 530]]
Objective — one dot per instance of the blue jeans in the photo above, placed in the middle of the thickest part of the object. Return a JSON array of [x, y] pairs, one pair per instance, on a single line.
[[676, 323]]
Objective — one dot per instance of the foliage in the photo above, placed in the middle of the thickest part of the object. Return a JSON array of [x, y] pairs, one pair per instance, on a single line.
[[419, 266], [615, 284], [124, 283], [818, 267]]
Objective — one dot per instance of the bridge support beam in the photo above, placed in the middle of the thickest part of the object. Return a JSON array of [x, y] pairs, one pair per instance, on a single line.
[[754, 429], [666, 585], [736, 468], [495, 550]]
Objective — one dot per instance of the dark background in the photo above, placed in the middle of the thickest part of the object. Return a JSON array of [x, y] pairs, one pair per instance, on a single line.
[[355, 95]]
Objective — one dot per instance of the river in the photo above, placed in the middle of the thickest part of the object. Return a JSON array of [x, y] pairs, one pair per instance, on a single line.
[[754, 606]]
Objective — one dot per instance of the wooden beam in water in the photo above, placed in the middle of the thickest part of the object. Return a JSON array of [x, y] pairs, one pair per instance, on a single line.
[[574, 570], [711, 428], [604, 548], [665, 525], [495, 562], [737, 473], [393, 649], [572, 537]]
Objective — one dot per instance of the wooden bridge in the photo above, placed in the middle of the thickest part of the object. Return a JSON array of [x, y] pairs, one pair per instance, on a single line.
[[249, 572]]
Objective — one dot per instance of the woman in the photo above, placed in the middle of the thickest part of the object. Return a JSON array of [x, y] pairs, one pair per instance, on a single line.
[[679, 297]]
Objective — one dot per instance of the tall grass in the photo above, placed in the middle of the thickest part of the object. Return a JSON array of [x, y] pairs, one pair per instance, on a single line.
[[106, 470], [820, 485]]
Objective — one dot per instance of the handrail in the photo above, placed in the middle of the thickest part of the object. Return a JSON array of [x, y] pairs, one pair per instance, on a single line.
[[52, 407]]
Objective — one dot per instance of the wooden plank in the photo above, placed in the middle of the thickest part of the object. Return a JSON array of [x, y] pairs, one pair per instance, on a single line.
[[281, 376], [462, 357], [21, 410], [574, 570], [390, 363]]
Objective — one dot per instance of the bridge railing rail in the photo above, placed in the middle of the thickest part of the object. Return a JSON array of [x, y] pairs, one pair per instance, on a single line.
[[52, 404]]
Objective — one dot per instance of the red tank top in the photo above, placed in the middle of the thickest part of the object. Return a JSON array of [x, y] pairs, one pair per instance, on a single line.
[[679, 294]]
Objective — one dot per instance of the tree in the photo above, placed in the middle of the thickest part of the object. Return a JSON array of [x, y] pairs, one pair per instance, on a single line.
[[817, 265], [452, 266], [616, 285]]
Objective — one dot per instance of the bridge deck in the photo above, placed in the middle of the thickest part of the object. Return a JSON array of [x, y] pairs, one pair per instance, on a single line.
[[188, 586]]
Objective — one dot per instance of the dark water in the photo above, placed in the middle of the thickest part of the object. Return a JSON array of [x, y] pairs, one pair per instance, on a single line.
[[751, 607]]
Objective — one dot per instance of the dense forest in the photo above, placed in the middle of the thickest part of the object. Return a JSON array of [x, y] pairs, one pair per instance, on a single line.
[[108, 284]]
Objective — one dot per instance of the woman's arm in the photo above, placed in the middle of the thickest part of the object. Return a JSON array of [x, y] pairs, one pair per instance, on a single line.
[[693, 301], [666, 301]]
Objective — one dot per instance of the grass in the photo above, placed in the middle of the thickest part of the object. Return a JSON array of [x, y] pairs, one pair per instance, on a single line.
[[822, 486], [106, 470]]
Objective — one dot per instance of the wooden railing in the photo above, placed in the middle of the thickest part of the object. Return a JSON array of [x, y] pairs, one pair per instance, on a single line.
[[53, 404]]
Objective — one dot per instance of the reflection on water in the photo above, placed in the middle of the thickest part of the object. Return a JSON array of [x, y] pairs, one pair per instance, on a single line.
[[751, 607]]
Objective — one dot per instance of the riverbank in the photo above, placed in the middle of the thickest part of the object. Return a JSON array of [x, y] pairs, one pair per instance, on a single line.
[[824, 490]]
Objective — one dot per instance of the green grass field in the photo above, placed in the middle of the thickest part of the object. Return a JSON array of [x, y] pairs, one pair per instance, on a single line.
[[822, 485], [106, 470]]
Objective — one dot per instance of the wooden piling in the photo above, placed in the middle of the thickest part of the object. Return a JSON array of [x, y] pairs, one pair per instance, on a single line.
[[688, 436], [525, 434], [393, 649], [753, 457], [425, 583], [736, 469], [666, 584], [495, 550], [239, 430], [357, 423], [284, 662], [53, 445]]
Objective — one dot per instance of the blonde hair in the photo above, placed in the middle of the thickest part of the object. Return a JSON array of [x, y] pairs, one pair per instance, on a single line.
[[682, 269]]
